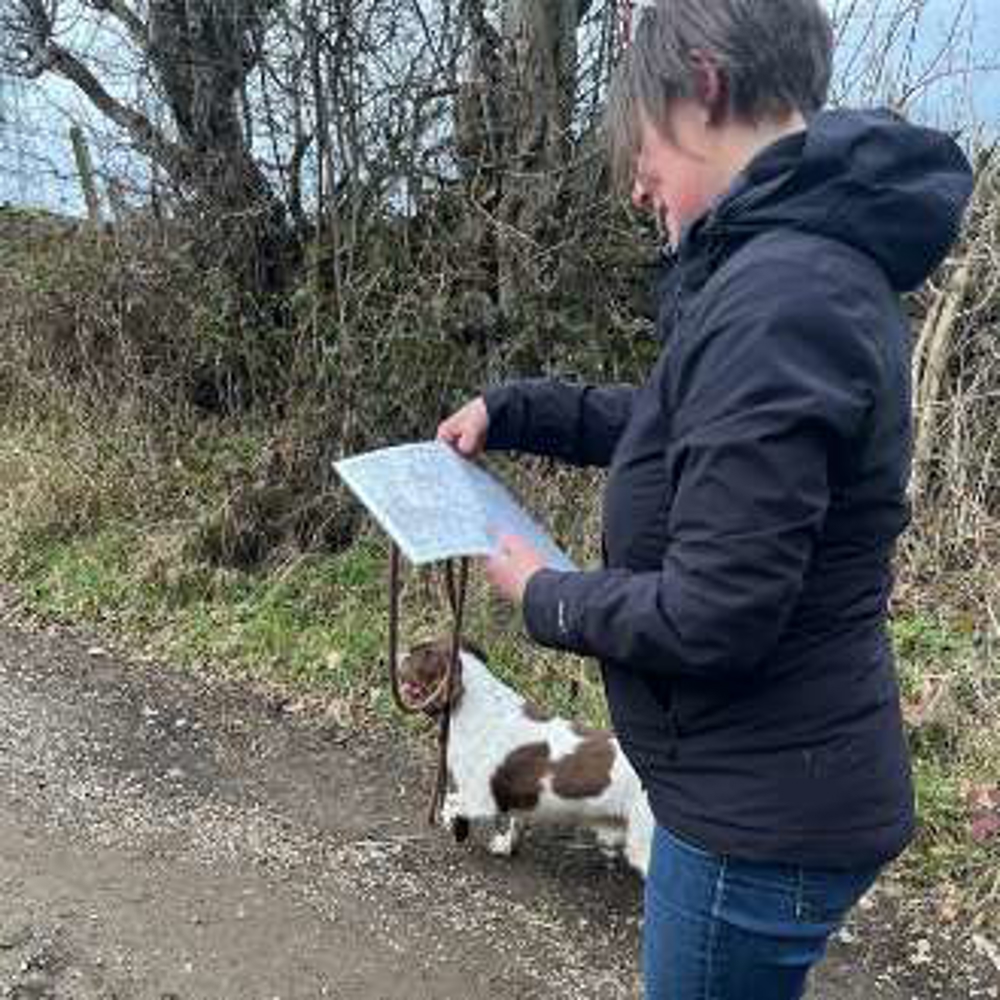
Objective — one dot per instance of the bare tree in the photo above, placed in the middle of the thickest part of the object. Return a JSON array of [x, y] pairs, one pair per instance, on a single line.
[[514, 114], [200, 53], [539, 78]]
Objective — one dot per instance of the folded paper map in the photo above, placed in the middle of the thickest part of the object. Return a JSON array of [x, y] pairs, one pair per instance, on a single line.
[[436, 505]]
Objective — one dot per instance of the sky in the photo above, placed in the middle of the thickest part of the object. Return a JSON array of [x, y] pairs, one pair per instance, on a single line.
[[36, 166], [973, 26]]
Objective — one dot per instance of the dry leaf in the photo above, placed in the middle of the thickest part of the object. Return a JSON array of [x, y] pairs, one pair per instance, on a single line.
[[983, 802]]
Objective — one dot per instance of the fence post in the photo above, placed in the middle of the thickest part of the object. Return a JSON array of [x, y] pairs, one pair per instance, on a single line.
[[85, 170]]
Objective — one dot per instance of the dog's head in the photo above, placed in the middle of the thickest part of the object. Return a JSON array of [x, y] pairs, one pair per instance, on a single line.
[[423, 676]]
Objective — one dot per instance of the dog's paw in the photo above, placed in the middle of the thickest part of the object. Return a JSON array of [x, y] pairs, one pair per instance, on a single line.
[[610, 840], [453, 818], [502, 845], [505, 839], [450, 810]]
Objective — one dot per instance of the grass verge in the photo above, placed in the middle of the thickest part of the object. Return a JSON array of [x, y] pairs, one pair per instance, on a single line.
[[101, 527]]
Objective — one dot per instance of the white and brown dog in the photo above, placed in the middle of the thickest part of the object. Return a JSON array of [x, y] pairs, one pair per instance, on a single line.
[[509, 762]]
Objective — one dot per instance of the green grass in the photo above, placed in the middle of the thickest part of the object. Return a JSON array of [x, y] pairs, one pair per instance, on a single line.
[[95, 529], [317, 623], [951, 683]]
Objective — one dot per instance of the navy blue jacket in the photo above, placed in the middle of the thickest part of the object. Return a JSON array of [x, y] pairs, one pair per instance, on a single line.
[[757, 486]]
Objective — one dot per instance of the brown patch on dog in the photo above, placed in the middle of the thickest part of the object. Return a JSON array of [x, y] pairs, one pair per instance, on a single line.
[[586, 732], [426, 667], [586, 772], [517, 782], [535, 713]]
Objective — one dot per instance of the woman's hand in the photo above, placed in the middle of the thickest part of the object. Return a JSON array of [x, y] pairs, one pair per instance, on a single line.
[[514, 563], [511, 567], [465, 430]]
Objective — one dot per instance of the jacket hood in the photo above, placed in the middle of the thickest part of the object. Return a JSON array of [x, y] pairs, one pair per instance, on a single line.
[[893, 190]]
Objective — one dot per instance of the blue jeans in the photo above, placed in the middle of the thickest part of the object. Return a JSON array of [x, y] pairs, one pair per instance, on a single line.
[[721, 929]]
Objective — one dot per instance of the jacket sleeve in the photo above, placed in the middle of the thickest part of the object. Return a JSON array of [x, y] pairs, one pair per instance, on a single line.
[[767, 391], [580, 424]]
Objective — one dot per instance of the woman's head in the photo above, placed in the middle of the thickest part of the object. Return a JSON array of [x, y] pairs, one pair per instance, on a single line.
[[700, 72]]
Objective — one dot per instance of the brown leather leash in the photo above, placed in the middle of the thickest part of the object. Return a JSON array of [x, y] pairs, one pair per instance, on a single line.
[[456, 590]]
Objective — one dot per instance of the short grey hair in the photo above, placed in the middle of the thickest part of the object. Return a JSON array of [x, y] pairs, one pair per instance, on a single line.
[[773, 57]]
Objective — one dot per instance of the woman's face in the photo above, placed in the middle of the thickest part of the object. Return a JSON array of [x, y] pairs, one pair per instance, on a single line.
[[676, 178]]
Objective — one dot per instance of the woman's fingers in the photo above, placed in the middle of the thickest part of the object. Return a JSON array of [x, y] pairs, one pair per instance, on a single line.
[[465, 430]]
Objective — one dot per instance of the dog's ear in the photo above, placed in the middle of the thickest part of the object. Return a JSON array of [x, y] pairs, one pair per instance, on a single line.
[[436, 657]]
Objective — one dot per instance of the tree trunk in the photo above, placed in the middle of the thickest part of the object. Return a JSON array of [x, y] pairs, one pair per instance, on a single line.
[[202, 51], [539, 77]]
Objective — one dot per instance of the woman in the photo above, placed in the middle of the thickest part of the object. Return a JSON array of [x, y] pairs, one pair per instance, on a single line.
[[756, 488]]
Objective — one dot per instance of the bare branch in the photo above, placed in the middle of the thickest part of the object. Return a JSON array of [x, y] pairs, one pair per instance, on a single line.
[[147, 138], [134, 25]]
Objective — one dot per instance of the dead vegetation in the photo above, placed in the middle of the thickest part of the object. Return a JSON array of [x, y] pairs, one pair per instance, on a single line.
[[955, 488]]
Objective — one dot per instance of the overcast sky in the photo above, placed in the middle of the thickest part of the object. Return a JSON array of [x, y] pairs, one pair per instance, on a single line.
[[35, 166]]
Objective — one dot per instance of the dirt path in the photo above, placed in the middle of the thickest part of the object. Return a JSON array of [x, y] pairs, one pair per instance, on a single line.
[[162, 836]]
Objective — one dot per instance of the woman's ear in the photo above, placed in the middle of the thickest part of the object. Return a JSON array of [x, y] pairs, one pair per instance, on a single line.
[[710, 88]]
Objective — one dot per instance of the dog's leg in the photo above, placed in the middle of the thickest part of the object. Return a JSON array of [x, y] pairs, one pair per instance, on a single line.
[[506, 835], [639, 836], [610, 839], [453, 817]]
